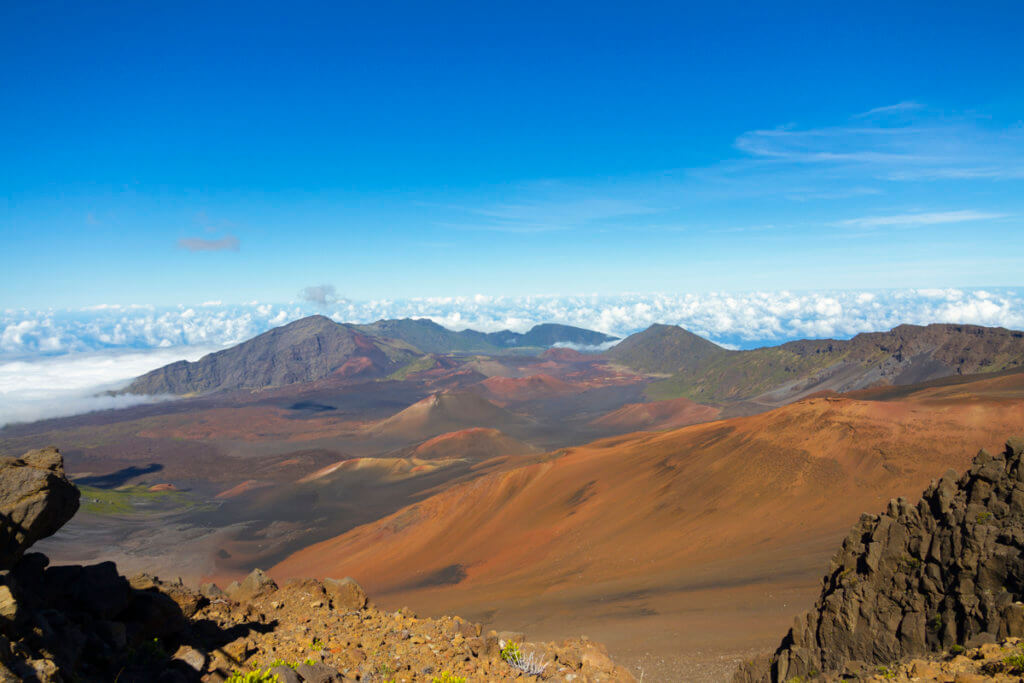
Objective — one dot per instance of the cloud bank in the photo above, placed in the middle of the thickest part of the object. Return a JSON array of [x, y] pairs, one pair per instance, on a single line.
[[744, 319], [56, 386], [53, 363]]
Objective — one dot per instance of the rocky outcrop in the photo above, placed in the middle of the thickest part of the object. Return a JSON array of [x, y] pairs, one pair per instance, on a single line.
[[945, 573], [90, 624], [36, 499]]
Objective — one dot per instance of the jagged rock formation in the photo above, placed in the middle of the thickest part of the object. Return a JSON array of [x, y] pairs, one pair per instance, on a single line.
[[948, 571], [90, 624], [36, 500]]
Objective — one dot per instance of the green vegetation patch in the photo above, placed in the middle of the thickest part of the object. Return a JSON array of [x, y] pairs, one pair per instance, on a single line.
[[135, 500], [741, 375], [417, 365]]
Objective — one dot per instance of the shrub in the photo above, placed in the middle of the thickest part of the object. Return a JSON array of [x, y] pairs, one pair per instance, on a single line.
[[446, 677], [254, 676], [1015, 662], [531, 665]]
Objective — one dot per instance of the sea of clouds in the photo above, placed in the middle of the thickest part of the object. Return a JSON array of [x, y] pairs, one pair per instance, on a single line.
[[53, 362]]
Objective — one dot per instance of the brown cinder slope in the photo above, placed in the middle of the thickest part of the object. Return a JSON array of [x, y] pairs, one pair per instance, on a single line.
[[917, 578], [692, 541]]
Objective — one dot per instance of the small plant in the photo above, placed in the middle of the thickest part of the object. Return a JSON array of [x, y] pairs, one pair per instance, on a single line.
[[510, 651], [984, 517], [886, 673], [935, 623], [254, 676], [957, 649], [909, 563], [1015, 662], [316, 645], [446, 677], [148, 652], [530, 665]]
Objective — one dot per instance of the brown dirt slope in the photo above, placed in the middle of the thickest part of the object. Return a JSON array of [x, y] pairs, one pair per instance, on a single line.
[[475, 443], [444, 412], [656, 415], [724, 514]]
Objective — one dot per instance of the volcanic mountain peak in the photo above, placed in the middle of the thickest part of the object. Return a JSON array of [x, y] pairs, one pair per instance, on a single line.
[[474, 443], [426, 335], [430, 337], [664, 348], [445, 412], [305, 350], [549, 334]]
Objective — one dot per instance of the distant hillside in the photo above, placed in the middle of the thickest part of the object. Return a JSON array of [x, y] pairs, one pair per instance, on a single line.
[[313, 348], [302, 351], [779, 374], [549, 334], [430, 337], [664, 348]]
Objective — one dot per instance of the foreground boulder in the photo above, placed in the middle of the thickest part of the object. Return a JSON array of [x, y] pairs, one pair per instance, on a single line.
[[36, 499], [944, 574]]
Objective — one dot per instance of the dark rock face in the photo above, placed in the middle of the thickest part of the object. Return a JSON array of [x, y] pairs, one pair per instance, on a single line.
[[303, 351], [918, 578], [36, 499]]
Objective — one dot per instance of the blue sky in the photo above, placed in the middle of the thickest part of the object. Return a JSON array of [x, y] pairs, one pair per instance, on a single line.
[[237, 152]]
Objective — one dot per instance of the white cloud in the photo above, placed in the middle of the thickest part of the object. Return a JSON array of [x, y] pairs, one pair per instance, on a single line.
[[48, 386], [745, 319], [897, 108], [915, 219]]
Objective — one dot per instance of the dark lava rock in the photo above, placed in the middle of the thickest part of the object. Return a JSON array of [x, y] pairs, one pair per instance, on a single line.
[[36, 499], [918, 578]]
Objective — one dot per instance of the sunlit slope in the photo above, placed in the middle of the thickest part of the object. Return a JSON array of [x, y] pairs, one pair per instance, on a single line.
[[779, 374], [648, 505]]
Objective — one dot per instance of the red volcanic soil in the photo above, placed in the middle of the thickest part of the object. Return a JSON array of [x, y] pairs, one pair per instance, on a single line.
[[564, 355], [444, 412], [506, 389], [244, 487], [673, 413], [355, 366], [477, 443], [702, 541], [163, 487]]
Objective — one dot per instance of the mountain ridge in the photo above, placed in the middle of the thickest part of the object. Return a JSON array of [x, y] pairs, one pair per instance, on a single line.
[[774, 375], [315, 347]]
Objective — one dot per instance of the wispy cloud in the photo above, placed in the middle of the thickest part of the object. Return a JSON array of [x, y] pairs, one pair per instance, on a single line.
[[929, 147], [555, 209], [898, 108], [918, 219], [226, 243]]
